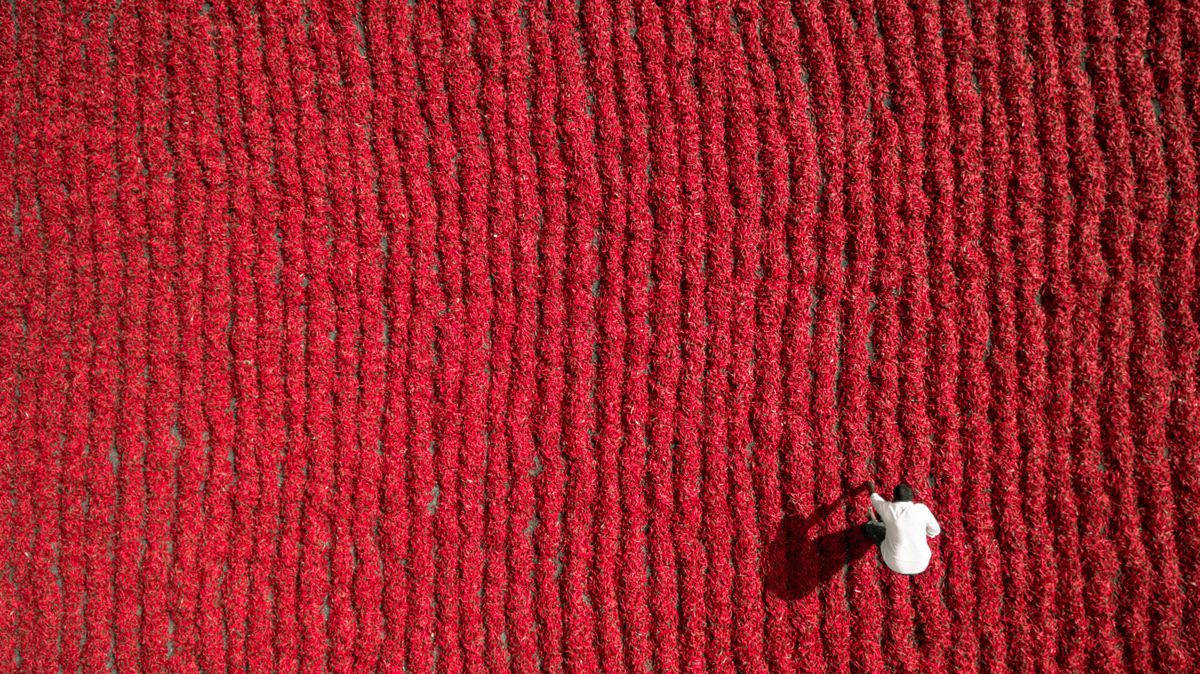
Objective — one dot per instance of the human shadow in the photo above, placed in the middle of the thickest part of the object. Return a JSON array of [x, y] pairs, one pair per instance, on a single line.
[[809, 550]]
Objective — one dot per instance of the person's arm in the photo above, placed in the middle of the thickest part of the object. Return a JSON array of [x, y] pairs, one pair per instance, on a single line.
[[932, 528], [877, 502]]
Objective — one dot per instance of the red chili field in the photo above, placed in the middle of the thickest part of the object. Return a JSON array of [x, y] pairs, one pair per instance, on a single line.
[[410, 335]]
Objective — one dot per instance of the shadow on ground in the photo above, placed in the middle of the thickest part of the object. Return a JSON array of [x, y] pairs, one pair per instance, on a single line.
[[809, 550]]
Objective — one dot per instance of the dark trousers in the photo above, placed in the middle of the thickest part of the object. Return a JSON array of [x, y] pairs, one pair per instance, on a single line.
[[876, 531]]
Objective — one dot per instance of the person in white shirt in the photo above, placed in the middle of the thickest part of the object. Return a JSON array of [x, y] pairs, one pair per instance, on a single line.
[[901, 530]]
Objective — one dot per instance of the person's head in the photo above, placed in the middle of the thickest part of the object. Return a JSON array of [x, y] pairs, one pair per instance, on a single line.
[[903, 492]]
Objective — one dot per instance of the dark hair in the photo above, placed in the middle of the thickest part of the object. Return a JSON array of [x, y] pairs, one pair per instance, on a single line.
[[903, 492]]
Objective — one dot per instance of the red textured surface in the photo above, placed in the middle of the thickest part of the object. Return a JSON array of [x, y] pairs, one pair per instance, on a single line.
[[408, 335]]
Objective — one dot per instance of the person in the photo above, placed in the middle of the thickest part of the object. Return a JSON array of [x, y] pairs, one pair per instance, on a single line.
[[901, 530]]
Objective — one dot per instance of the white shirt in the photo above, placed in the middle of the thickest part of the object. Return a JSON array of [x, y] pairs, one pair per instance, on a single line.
[[904, 548]]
